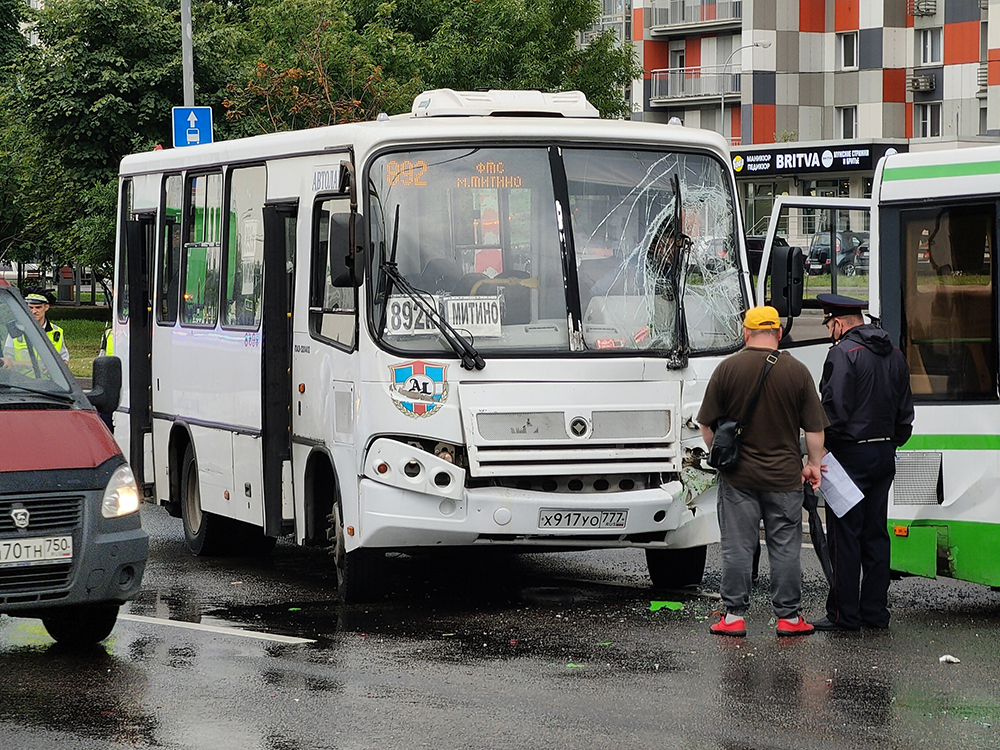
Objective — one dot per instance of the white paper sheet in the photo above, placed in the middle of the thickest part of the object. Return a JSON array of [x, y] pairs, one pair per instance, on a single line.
[[839, 491]]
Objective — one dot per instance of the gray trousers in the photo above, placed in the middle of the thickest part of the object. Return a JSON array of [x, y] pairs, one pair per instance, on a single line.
[[740, 512]]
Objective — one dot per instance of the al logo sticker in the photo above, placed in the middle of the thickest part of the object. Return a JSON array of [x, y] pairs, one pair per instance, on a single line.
[[418, 388]]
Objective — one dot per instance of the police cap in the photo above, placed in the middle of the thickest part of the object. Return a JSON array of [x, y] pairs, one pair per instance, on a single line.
[[835, 305]]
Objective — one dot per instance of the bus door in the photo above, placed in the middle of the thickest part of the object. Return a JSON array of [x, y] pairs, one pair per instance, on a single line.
[[833, 237], [134, 309], [276, 359]]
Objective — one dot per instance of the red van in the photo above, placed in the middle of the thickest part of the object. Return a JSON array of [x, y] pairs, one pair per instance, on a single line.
[[72, 549]]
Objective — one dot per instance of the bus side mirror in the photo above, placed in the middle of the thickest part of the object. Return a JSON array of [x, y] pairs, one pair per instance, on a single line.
[[347, 246], [107, 384], [787, 275]]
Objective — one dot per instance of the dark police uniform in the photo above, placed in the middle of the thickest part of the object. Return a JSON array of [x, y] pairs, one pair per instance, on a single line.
[[865, 390]]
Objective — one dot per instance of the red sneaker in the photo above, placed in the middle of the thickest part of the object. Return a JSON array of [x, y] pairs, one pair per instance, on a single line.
[[798, 626], [737, 628]]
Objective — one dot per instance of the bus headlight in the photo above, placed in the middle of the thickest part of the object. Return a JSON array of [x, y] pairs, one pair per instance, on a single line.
[[121, 496]]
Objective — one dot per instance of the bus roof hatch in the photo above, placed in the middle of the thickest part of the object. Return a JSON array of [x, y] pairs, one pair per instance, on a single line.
[[497, 103]]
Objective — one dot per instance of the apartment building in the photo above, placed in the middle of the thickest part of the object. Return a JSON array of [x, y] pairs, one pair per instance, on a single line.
[[811, 93]]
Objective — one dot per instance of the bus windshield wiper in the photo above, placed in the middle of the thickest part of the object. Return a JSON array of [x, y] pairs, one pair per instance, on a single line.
[[65, 397], [471, 358]]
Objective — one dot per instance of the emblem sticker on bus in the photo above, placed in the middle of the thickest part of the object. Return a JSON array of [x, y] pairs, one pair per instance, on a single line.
[[418, 388]]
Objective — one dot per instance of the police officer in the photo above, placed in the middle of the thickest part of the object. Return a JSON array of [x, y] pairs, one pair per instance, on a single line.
[[865, 390], [16, 349]]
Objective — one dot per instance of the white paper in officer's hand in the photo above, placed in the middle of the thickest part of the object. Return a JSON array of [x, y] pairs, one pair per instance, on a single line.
[[839, 491]]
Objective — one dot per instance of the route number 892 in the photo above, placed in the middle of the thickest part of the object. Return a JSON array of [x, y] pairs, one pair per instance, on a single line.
[[407, 318], [405, 172]]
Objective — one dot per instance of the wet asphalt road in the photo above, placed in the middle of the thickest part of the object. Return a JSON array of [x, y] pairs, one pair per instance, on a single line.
[[494, 651]]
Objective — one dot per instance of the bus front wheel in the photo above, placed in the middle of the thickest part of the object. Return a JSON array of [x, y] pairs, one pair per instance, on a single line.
[[204, 534], [359, 572], [676, 568]]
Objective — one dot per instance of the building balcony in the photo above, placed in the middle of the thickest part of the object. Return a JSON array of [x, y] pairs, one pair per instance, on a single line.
[[673, 86], [671, 17]]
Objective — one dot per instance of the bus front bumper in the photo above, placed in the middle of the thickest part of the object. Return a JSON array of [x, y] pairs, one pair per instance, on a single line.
[[391, 517]]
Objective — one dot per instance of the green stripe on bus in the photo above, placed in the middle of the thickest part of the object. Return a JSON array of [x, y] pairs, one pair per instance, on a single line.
[[969, 169], [953, 443]]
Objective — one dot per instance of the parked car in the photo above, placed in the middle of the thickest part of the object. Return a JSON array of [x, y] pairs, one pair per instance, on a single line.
[[755, 250], [848, 246], [72, 548]]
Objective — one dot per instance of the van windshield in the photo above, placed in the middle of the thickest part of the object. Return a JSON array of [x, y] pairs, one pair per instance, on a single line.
[[554, 250], [30, 365]]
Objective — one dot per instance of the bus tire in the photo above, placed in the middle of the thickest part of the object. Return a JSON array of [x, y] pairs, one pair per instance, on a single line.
[[204, 533], [359, 572], [83, 625], [676, 568]]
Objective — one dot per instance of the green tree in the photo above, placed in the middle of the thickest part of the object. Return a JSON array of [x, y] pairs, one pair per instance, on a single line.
[[512, 44], [307, 64]]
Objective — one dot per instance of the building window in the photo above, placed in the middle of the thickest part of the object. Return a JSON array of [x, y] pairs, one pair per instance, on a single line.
[[848, 50], [928, 120], [930, 46], [847, 122]]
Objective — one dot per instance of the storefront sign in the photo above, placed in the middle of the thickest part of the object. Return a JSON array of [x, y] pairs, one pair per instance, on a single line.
[[832, 158]]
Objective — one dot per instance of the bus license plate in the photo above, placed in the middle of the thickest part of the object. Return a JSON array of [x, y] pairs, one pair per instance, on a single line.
[[42, 549], [582, 519]]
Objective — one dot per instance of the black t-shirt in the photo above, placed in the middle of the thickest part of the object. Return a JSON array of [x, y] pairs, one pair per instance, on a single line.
[[770, 455]]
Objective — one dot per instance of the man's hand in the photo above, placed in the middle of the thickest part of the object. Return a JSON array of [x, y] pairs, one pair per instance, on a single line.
[[813, 475]]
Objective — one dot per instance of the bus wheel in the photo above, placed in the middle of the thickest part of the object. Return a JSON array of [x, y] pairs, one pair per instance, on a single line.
[[676, 568], [359, 572], [203, 532], [81, 626]]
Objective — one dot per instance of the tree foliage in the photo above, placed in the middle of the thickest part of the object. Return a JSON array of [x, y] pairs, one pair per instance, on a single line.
[[106, 73]]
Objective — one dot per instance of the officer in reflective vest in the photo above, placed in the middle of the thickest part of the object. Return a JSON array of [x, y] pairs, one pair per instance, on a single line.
[[38, 303]]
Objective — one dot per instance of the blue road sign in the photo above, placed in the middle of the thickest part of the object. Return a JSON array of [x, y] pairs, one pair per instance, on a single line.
[[192, 126]]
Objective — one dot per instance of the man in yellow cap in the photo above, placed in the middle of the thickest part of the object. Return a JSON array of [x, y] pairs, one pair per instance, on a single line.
[[15, 350], [767, 480]]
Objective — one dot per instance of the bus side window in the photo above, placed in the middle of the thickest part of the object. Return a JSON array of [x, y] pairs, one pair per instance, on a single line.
[[245, 247], [332, 299], [202, 251], [170, 251]]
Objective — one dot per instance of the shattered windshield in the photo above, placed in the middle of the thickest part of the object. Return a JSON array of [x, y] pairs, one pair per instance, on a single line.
[[655, 238], [480, 235], [29, 362]]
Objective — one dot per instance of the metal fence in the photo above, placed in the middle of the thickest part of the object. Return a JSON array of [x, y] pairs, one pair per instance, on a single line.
[[678, 12], [679, 83]]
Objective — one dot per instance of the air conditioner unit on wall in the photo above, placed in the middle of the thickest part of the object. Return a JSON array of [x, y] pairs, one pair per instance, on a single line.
[[921, 83], [921, 7]]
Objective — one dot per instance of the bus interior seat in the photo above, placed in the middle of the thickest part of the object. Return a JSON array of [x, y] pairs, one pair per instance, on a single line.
[[516, 296], [439, 275]]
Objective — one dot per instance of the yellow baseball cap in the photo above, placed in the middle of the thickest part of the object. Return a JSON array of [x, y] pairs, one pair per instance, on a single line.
[[762, 317]]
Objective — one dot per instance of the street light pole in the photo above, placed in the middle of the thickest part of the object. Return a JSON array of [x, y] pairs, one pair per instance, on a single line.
[[187, 54], [722, 82]]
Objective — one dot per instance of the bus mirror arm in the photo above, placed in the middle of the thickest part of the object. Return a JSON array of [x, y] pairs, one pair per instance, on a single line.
[[107, 384]]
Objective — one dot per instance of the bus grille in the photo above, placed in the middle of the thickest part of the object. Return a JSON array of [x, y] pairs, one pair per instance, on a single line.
[[557, 460], [46, 512]]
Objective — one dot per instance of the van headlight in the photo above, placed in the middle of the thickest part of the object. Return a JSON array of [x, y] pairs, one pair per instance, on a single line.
[[121, 496]]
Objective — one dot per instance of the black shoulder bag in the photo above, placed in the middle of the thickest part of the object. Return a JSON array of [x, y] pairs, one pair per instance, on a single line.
[[725, 450]]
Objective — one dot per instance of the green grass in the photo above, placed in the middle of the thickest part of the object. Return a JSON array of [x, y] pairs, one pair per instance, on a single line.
[[83, 337]]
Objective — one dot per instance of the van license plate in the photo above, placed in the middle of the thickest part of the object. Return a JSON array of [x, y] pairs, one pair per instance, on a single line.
[[582, 519], [42, 549]]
